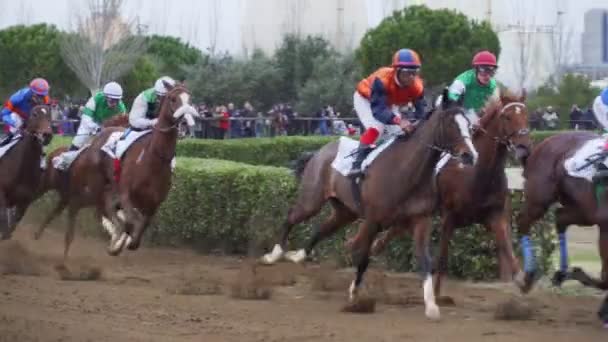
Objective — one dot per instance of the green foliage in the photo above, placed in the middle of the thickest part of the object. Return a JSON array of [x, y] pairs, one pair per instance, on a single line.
[[296, 59], [571, 89], [32, 51], [332, 82], [140, 78], [172, 55], [445, 39], [221, 80]]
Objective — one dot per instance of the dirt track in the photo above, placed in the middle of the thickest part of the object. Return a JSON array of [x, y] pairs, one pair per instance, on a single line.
[[171, 295]]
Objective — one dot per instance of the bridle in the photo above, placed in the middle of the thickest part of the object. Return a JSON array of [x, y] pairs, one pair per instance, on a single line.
[[506, 139]]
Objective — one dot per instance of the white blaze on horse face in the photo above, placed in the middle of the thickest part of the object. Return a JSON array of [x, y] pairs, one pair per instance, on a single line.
[[463, 125], [185, 108]]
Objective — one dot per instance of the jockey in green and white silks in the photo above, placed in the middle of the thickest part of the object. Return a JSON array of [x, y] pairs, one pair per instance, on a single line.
[[477, 85], [144, 112], [100, 107]]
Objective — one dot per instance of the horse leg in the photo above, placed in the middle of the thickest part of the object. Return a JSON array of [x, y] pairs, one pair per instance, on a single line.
[[360, 257], [4, 226], [340, 217], [422, 237], [564, 217], [20, 209], [69, 233], [50, 217], [499, 223], [535, 205], [447, 231], [585, 279], [385, 237], [302, 210]]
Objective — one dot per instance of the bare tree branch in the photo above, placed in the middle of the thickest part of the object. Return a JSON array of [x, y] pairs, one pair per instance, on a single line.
[[103, 48]]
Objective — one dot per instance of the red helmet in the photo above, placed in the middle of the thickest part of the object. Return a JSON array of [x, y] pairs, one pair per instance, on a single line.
[[484, 58], [40, 86]]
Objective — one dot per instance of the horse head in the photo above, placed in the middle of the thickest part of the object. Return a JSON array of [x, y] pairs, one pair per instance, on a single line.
[[507, 121], [452, 134], [39, 124], [176, 106]]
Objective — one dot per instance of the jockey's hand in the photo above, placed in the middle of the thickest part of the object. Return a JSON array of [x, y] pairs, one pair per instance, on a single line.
[[396, 119], [406, 126]]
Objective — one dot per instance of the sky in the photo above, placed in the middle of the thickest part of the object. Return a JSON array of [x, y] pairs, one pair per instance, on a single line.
[[193, 20]]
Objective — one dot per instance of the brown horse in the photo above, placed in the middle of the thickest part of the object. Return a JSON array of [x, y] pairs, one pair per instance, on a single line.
[[397, 188], [583, 203], [481, 194], [144, 177], [20, 171]]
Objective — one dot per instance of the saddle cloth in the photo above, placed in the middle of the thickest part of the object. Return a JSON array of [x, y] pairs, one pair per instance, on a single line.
[[343, 162], [14, 140], [579, 159], [116, 147]]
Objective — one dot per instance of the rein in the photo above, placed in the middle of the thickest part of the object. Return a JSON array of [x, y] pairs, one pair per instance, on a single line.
[[506, 140]]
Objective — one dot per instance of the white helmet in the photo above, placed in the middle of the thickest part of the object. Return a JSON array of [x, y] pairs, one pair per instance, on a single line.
[[113, 90], [159, 86]]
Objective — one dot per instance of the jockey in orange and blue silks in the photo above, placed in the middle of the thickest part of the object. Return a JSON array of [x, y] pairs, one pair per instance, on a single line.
[[16, 110], [378, 96]]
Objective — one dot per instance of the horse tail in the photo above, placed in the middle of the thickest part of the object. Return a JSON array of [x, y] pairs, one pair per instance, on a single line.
[[299, 164]]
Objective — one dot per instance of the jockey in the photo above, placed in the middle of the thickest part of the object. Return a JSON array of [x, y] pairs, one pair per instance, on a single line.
[[387, 87], [477, 85], [145, 108], [16, 110], [100, 107], [600, 110]]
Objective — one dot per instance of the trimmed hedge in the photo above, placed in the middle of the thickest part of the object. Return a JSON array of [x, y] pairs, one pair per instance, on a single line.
[[279, 151], [229, 207]]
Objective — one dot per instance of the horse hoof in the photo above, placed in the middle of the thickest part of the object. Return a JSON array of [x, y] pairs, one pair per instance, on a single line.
[[432, 312], [272, 257], [296, 256]]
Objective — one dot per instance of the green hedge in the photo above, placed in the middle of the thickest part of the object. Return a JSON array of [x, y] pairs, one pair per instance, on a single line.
[[230, 207], [279, 151]]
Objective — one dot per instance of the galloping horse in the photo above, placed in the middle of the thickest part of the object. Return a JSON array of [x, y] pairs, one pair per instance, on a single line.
[[547, 181], [145, 174], [397, 187], [146, 170], [480, 194], [20, 171]]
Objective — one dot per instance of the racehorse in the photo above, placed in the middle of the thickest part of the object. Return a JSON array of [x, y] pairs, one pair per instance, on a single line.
[[20, 169], [397, 187], [54, 179], [90, 181], [547, 181], [144, 176], [480, 194]]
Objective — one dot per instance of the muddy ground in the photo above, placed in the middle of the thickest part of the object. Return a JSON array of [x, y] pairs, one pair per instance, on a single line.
[[178, 295]]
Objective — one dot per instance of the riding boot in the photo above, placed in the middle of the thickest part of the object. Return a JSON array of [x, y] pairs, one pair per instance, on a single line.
[[73, 148], [362, 152], [6, 139]]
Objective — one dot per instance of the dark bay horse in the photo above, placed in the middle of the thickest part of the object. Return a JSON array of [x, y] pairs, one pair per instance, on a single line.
[[397, 187], [582, 203], [480, 194], [20, 169]]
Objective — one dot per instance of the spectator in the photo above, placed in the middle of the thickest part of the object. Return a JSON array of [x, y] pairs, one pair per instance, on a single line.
[[249, 125], [260, 124], [536, 119], [236, 125], [224, 122], [576, 117], [550, 118], [590, 120]]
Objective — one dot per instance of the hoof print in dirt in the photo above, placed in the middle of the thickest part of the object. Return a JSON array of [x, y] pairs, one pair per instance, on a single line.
[[81, 273], [361, 305], [249, 285], [513, 310]]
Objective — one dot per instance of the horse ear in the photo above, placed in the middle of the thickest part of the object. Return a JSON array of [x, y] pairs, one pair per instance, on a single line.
[[524, 94], [445, 99]]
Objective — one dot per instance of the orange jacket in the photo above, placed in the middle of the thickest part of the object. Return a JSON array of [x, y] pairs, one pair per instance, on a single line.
[[382, 90]]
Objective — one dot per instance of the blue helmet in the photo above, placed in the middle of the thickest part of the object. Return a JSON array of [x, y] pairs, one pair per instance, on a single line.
[[604, 96]]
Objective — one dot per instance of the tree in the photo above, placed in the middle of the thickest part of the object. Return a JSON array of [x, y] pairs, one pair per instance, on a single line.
[[27, 52], [332, 82], [141, 77], [171, 55], [295, 59], [445, 39], [221, 79], [103, 48]]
